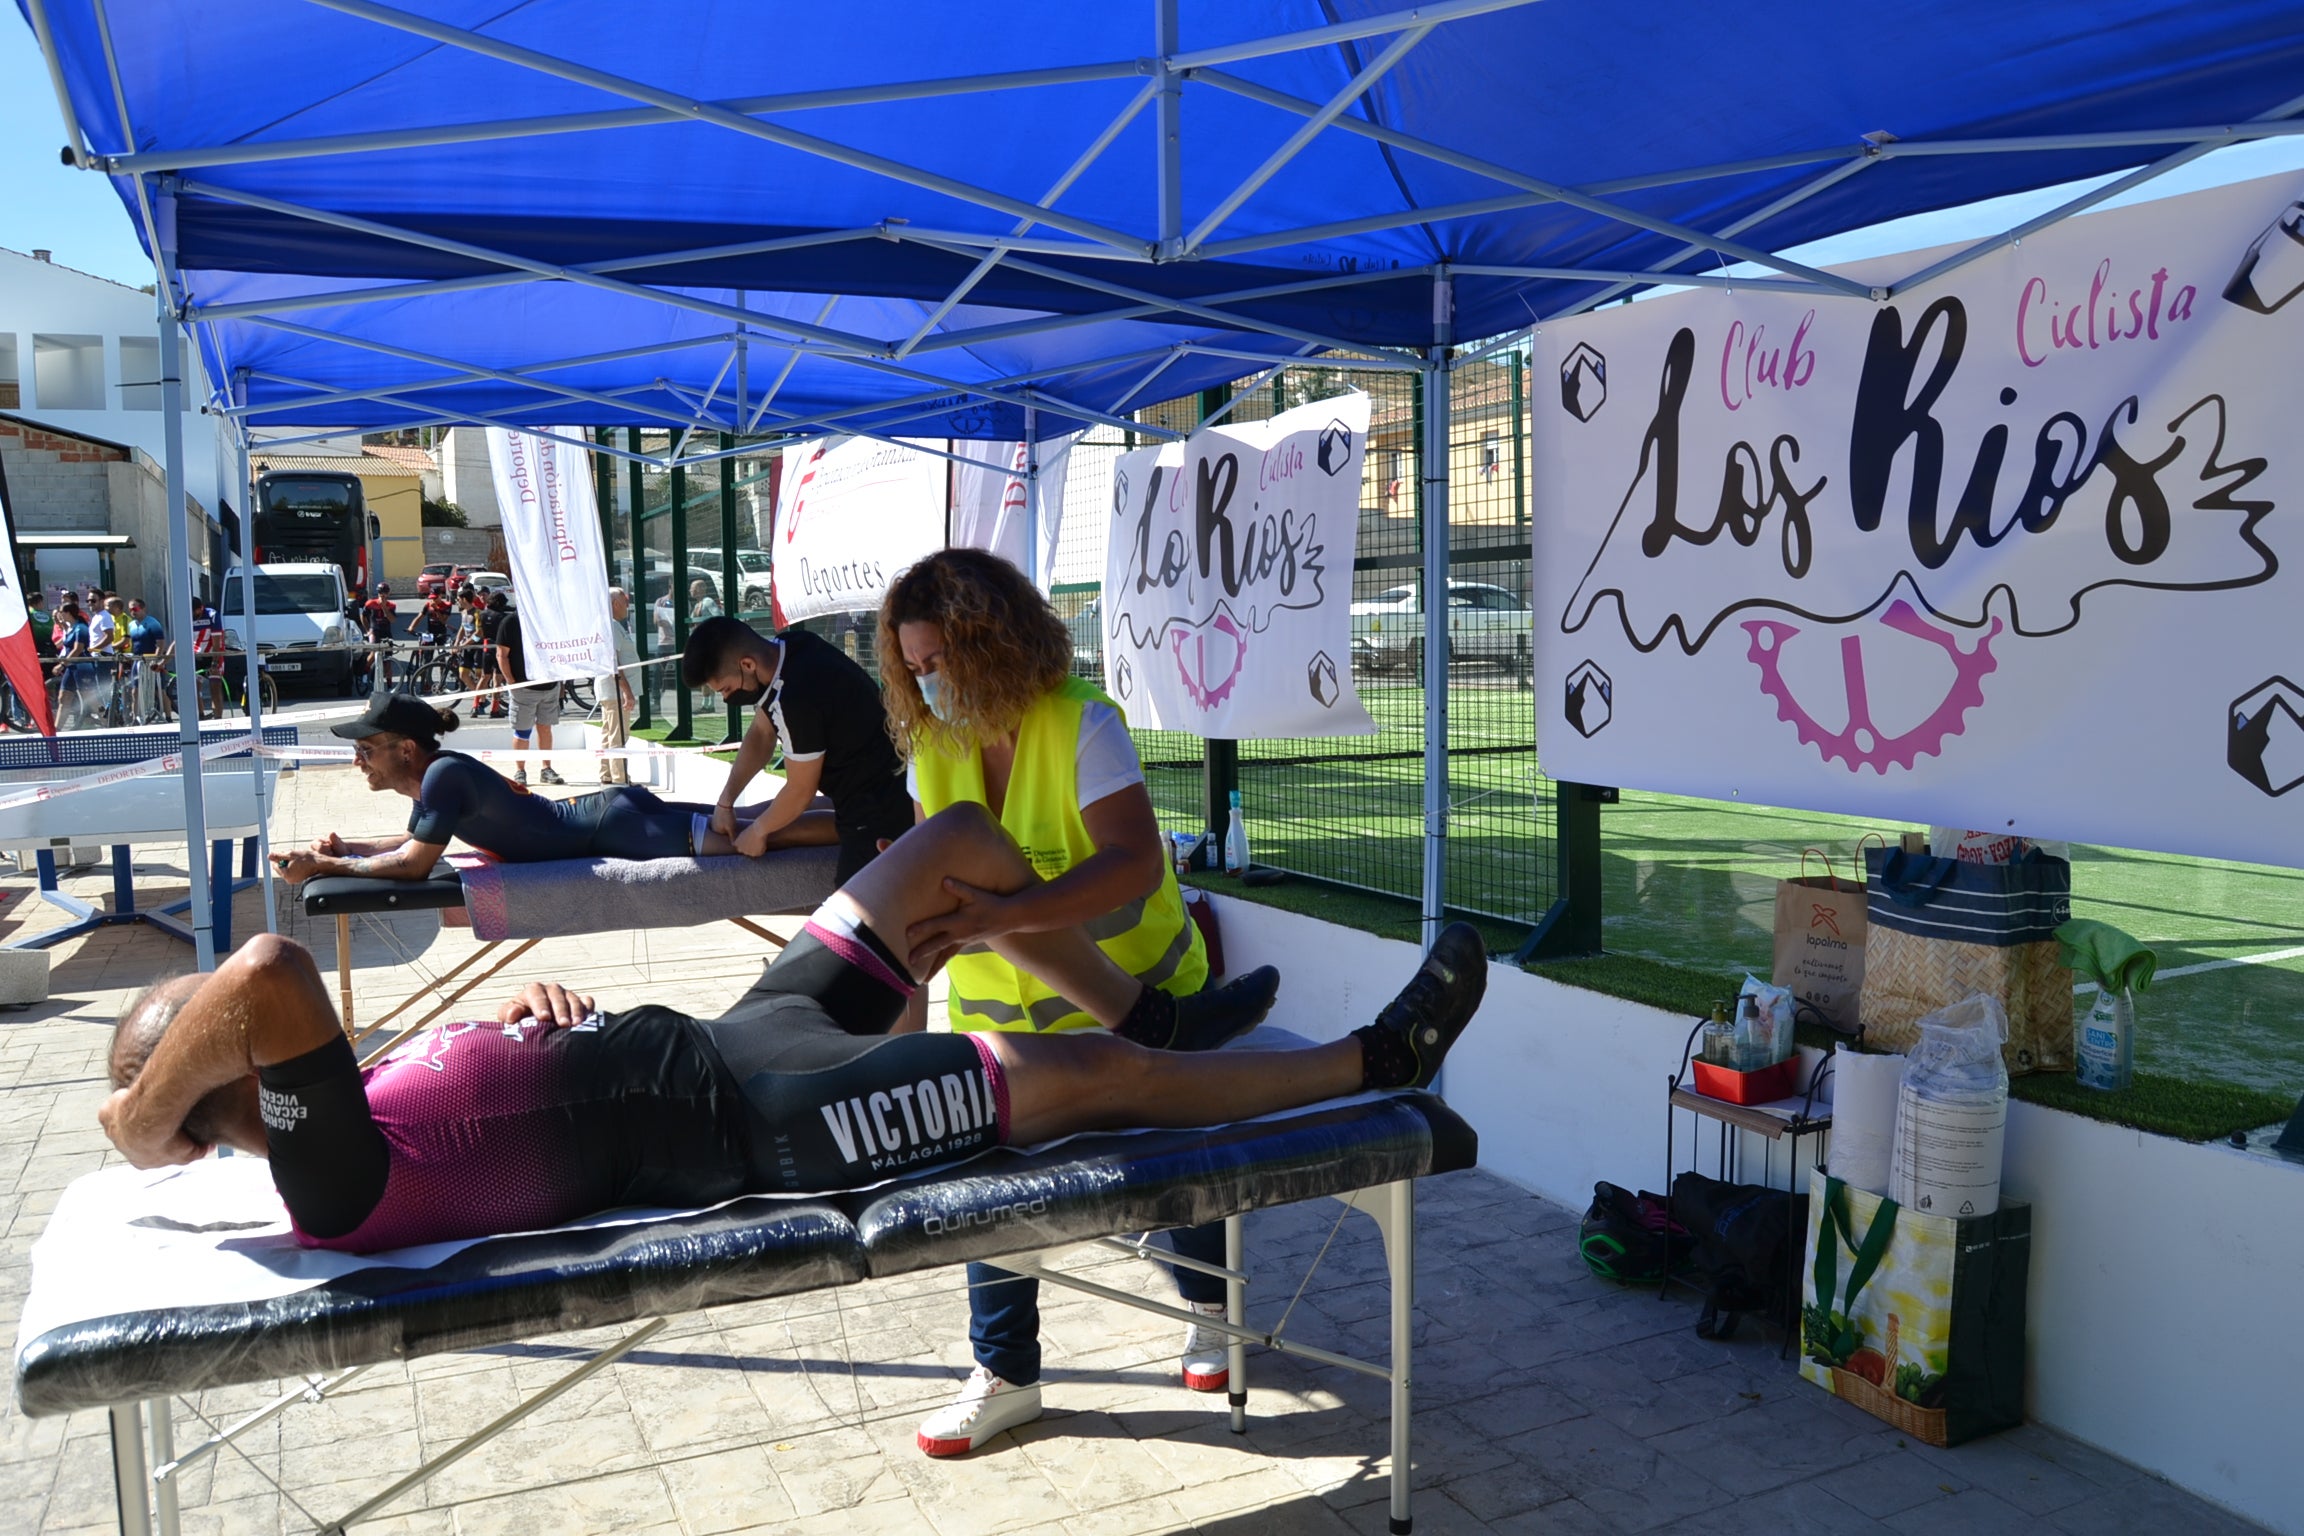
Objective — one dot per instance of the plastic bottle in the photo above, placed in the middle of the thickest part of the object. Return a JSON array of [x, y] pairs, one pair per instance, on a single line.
[[2107, 1044], [1236, 841]]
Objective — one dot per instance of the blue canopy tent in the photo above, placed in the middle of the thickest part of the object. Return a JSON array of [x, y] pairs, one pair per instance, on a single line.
[[899, 218]]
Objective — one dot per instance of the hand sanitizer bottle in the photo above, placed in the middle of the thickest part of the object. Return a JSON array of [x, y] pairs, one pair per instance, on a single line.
[[1236, 841]]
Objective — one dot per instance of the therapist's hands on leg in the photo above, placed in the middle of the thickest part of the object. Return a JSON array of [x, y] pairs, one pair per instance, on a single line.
[[548, 1002]]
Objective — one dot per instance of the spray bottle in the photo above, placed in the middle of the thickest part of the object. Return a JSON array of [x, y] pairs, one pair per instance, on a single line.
[[1236, 841]]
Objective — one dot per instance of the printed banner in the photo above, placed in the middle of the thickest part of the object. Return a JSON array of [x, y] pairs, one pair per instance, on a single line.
[[988, 509], [851, 514], [552, 536], [1228, 577], [2004, 552]]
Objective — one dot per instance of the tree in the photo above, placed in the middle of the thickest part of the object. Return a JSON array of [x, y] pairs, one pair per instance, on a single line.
[[443, 514]]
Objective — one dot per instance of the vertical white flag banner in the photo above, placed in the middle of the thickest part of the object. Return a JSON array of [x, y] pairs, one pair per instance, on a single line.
[[552, 534], [851, 513], [1227, 607], [2017, 550], [988, 501]]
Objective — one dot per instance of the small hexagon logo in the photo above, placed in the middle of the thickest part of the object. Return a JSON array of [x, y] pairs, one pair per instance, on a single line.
[[1123, 676], [2264, 736], [1584, 382], [1591, 699], [1335, 448], [1320, 676]]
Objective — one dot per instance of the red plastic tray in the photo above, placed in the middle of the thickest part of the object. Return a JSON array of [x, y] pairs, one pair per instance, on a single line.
[[1761, 1087]]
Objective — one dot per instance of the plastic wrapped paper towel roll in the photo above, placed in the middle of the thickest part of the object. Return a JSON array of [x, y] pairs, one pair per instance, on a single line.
[[1864, 1090]]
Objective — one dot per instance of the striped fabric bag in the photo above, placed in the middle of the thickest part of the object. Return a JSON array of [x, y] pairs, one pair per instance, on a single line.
[[1939, 930]]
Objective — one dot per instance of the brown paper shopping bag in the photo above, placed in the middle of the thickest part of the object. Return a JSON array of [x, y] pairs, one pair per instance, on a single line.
[[1820, 942]]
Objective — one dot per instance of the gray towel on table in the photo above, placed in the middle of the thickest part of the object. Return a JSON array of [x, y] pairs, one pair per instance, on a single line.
[[570, 897]]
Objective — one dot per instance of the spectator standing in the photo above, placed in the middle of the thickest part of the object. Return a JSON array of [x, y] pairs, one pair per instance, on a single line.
[[535, 707], [616, 700], [42, 616], [77, 675], [378, 620], [701, 603], [210, 648], [148, 644], [492, 616]]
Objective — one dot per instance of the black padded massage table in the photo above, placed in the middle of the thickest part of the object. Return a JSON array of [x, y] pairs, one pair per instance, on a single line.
[[522, 904], [1011, 1207]]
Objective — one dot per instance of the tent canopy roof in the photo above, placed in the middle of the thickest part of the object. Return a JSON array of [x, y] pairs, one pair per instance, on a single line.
[[951, 171]]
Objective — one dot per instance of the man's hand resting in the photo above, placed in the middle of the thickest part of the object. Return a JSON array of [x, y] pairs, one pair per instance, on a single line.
[[724, 820], [145, 1147], [547, 1001], [332, 846], [303, 864]]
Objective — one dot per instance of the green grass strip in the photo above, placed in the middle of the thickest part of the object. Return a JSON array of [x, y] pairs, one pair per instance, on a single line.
[[2163, 1106]]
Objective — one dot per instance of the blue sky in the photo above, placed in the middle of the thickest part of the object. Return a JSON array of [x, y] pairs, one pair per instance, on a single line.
[[75, 214]]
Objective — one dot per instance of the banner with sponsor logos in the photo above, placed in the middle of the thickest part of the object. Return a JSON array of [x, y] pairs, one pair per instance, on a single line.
[[988, 510], [2014, 551], [1228, 577], [552, 539], [851, 513]]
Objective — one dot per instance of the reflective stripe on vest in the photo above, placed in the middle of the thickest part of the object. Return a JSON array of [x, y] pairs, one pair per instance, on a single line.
[[1153, 940]]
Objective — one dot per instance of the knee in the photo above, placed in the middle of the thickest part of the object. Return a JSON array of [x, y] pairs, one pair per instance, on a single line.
[[273, 954]]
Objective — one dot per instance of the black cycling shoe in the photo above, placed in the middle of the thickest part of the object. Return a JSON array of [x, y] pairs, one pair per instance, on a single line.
[[1213, 1015], [1411, 1037]]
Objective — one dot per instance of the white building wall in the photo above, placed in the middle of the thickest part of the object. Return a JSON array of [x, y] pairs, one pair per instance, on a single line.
[[39, 298], [467, 478]]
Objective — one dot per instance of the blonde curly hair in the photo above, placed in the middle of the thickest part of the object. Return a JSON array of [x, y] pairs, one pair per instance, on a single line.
[[1003, 648]]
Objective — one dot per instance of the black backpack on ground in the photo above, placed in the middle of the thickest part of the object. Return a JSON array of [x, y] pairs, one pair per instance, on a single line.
[[1742, 1235], [1628, 1238]]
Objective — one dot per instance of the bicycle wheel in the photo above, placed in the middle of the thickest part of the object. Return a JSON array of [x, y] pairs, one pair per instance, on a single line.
[[268, 692]]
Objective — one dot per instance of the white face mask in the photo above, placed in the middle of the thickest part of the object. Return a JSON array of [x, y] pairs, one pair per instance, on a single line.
[[932, 694]]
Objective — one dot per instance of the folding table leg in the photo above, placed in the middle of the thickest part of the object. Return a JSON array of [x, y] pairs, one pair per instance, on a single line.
[[130, 1487], [1400, 1259], [163, 1426], [344, 970], [220, 895], [1236, 1313]]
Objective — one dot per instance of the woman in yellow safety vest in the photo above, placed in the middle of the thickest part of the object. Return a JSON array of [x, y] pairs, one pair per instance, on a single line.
[[976, 672]]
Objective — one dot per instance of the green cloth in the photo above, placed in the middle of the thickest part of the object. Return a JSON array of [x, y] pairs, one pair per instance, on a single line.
[[2110, 958]]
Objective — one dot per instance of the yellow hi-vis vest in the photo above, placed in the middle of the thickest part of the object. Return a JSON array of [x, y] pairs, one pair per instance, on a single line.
[[1153, 940]]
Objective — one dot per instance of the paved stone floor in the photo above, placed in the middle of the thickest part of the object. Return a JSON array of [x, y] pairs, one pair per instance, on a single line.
[[1547, 1401]]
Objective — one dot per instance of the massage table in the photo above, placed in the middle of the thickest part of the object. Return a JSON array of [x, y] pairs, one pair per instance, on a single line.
[[521, 904], [94, 1333], [118, 815]]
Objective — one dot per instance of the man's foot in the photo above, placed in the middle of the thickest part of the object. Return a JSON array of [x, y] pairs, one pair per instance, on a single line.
[[1207, 1358], [520, 774], [1213, 1015], [1406, 1044], [986, 1406], [550, 777]]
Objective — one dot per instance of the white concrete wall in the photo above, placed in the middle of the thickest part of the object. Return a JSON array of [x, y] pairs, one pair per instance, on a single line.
[[2162, 1272], [38, 297]]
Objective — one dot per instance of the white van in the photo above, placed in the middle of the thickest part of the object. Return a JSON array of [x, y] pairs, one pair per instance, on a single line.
[[299, 622]]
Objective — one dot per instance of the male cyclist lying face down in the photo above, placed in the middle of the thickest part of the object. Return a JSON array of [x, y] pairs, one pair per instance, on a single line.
[[552, 1110]]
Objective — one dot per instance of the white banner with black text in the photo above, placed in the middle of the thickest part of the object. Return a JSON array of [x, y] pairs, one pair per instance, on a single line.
[[2013, 551], [988, 502], [552, 538], [851, 513], [1228, 577]]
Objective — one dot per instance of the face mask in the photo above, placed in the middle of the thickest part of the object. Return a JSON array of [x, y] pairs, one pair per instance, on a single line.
[[751, 695], [932, 694]]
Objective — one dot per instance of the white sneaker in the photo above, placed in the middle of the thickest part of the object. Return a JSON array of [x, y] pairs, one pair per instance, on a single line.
[[1207, 1353], [986, 1406]]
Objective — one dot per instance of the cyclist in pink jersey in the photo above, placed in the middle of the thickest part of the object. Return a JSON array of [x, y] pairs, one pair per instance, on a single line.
[[555, 1109]]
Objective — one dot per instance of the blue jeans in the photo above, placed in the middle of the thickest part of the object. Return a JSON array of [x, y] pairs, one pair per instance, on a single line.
[[1004, 1308]]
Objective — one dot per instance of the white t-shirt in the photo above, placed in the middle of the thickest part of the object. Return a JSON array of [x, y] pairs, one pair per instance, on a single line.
[[1105, 764]]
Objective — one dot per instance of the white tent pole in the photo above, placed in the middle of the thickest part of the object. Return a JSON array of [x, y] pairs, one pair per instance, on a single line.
[[415, 386], [242, 555], [1032, 493], [1437, 376], [180, 591], [1428, 14], [1168, 120]]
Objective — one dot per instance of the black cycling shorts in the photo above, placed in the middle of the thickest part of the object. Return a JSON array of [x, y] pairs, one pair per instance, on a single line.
[[631, 823], [829, 1109]]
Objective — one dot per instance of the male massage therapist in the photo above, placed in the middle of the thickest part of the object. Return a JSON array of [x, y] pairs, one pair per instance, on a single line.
[[555, 1110], [826, 711]]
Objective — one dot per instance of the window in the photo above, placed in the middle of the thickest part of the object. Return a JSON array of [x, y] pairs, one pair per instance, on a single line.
[[11, 391], [1491, 453], [286, 594], [68, 372], [139, 373]]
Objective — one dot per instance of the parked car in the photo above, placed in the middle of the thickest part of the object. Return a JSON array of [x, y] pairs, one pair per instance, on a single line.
[[491, 581], [1087, 627], [440, 576], [1486, 623], [751, 571]]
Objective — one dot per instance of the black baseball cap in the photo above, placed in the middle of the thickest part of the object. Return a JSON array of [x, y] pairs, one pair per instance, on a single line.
[[395, 714]]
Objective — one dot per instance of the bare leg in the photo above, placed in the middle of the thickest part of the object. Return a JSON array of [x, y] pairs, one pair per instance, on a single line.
[[1059, 1085], [905, 885], [810, 829]]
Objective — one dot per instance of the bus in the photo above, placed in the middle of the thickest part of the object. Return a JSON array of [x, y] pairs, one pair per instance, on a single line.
[[305, 515]]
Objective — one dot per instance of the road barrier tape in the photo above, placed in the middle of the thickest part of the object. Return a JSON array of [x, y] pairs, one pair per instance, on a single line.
[[493, 754]]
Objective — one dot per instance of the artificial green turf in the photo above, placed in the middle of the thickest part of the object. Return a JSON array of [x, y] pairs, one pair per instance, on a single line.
[[2163, 1105]]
